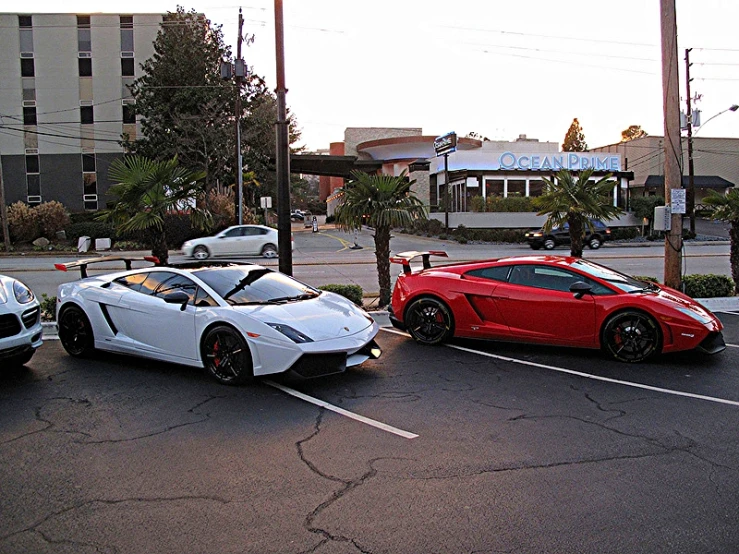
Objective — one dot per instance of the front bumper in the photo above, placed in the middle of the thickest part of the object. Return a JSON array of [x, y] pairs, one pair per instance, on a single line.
[[713, 343]]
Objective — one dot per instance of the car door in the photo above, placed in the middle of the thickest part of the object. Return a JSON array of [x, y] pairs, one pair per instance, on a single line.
[[154, 326], [253, 240], [229, 242], [537, 305]]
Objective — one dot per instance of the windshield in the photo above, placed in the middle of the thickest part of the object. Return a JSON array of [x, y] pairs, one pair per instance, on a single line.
[[620, 280], [245, 285]]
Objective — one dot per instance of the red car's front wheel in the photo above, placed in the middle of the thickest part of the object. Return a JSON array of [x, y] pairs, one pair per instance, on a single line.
[[429, 321], [631, 336]]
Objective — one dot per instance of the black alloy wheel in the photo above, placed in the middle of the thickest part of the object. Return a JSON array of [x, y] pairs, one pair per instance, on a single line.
[[226, 356], [429, 321], [75, 332], [631, 336]]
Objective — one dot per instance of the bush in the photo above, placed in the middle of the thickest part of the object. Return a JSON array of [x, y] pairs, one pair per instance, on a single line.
[[510, 204], [624, 233], [23, 224], [52, 217], [92, 229], [708, 286], [352, 292], [48, 307]]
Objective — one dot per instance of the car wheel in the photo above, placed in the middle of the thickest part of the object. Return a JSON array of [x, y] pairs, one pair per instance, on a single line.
[[226, 356], [269, 251], [594, 243], [549, 244], [535, 246], [631, 336], [200, 253], [75, 332], [19, 360], [429, 321]]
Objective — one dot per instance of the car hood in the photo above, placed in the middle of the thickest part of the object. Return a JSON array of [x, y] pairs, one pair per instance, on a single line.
[[326, 317], [675, 299]]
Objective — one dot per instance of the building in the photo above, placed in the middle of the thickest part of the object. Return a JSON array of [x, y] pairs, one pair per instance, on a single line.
[[64, 102]]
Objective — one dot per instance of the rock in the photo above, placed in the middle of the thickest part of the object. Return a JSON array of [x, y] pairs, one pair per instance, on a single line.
[[41, 242]]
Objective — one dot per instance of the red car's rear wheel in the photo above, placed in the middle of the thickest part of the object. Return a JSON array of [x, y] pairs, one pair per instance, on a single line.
[[429, 321]]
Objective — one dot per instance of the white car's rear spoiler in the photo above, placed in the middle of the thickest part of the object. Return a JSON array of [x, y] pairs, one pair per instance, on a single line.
[[405, 258], [82, 264]]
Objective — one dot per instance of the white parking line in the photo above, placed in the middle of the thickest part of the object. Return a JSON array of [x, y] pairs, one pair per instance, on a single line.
[[587, 375], [341, 411]]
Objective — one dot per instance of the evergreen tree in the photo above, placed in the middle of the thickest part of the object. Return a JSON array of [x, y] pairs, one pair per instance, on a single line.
[[575, 138], [726, 208]]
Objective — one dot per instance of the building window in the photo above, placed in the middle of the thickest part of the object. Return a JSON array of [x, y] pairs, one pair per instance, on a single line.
[[26, 39], [127, 33], [88, 163], [516, 187], [32, 164], [90, 183], [536, 187], [33, 183], [29, 115], [27, 67], [25, 21], [127, 67], [129, 114], [84, 37], [85, 67], [86, 115], [493, 187], [29, 88]]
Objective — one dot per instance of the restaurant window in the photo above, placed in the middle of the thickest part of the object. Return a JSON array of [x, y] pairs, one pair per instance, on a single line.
[[493, 187], [536, 187], [516, 187]]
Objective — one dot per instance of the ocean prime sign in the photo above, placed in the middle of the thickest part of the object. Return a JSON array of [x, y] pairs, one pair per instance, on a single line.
[[573, 161]]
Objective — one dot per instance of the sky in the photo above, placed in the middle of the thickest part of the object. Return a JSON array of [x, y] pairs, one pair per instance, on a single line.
[[497, 68]]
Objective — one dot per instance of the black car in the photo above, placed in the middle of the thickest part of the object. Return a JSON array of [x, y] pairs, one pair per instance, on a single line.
[[561, 235]]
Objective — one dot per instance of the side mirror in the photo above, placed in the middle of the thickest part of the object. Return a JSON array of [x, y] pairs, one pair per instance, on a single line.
[[178, 297], [580, 289]]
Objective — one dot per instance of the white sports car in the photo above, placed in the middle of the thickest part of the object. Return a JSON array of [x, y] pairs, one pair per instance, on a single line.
[[236, 320], [20, 323]]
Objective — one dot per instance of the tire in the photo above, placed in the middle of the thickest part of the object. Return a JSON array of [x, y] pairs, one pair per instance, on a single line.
[[200, 253], [19, 360], [429, 321], [75, 332], [269, 251], [549, 243], [535, 246], [594, 243], [631, 336], [226, 356]]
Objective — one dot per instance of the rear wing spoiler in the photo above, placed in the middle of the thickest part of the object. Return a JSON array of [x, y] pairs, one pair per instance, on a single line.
[[82, 264], [405, 258]]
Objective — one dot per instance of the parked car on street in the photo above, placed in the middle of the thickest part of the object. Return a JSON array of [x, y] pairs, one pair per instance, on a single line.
[[236, 320], [555, 300], [296, 215], [21, 332], [238, 240], [561, 235]]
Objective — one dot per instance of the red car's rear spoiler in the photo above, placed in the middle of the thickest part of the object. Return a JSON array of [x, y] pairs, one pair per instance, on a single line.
[[82, 264], [405, 258]]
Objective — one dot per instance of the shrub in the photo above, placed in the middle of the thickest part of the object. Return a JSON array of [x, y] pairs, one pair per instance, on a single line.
[[23, 224], [646, 278], [477, 204], [92, 229], [510, 204], [708, 286], [52, 217], [624, 233], [48, 307], [352, 292]]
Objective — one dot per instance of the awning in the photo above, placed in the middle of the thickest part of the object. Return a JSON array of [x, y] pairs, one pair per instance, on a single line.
[[332, 166], [699, 181]]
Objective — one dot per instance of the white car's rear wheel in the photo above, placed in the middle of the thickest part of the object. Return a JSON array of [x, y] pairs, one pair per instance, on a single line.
[[200, 253], [269, 251], [226, 356]]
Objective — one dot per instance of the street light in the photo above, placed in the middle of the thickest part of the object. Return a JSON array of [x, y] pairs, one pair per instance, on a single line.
[[691, 169]]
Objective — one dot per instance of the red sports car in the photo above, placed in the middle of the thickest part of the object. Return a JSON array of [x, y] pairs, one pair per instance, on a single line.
[[549, 300]]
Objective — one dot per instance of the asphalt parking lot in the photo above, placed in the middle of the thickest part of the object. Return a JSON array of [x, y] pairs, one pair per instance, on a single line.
[[473, 447]]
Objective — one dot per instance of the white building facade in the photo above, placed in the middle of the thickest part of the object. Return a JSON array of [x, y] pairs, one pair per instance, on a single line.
[[65, 104]]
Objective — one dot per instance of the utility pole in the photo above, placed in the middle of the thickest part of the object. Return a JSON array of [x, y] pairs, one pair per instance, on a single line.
[[673, 149], [690, 195], [284, 232], [4, 211], [239, 73]]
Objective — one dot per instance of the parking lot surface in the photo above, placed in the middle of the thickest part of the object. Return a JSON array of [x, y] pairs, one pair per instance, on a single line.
[[502, 448]]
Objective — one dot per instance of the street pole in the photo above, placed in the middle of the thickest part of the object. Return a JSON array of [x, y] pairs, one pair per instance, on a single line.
[[239, 163], [284, 232], [690, 194], [4, 211], [447, 195], [673, 149]]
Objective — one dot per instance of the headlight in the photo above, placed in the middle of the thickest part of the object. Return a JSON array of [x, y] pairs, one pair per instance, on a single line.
[[695, 315], [293, 334], [22, 293]]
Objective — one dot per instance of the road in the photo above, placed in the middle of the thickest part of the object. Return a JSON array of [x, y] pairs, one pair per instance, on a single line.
[[332, 257], [507, 449]]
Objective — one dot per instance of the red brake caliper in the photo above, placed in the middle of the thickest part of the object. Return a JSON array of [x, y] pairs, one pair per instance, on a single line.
[[216, 359]]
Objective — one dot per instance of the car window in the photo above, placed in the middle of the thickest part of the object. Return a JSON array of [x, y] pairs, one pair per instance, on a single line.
[[239, 285], [235, 232], [494, 273], [175, 283], [553, 278], [133, 281], [252, 231]]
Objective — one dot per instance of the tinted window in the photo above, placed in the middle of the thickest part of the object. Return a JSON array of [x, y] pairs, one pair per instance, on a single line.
[[235, 232], [496, 273], [553, 278], [175, 283], [132, 282], [244, 285]]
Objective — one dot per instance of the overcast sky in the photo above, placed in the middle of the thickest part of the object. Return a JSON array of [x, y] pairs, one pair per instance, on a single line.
[[494, 67]]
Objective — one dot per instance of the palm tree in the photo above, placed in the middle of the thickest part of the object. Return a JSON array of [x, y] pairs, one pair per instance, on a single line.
[[381, 202], [727, 209], [575, 201], [146, 191]]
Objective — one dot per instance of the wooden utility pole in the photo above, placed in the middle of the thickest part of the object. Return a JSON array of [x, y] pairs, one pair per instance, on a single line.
[[4, 211], [239, 196], [690, 195], [284, 230], [672, 145]]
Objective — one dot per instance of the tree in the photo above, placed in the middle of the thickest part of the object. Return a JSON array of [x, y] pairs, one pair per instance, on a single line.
[[148, 190], [575, 138], [633, 132], [575, 201], [643, 207], [726, 208], [381, 202]]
